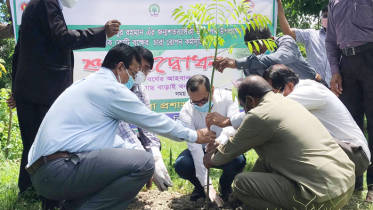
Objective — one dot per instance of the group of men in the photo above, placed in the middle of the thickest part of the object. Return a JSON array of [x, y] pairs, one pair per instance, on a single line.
[[79, 148]]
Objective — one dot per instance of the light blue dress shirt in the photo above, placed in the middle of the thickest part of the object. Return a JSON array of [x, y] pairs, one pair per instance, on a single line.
[[85, 118], [314, 41]]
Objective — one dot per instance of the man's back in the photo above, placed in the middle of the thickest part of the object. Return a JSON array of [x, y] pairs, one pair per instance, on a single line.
[[331, 112], [301, 149], [294, 143]]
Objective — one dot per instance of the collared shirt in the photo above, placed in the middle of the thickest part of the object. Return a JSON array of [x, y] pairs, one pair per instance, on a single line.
[[148, 139], [326, 106], [287, 53], [350, 24], [331, 112], [293, 143], [314, 41], [194, 119], [85, 117]]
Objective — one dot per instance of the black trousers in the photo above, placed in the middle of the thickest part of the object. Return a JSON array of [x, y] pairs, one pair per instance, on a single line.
[[30, 116], [357, 96]]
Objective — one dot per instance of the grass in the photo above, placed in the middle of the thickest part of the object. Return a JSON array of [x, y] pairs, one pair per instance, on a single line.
[[170, 151]]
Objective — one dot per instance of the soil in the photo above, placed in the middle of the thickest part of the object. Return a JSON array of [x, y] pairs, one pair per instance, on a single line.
[[156, 200]]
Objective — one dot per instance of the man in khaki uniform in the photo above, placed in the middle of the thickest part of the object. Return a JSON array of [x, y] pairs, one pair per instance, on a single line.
[[299, 162]]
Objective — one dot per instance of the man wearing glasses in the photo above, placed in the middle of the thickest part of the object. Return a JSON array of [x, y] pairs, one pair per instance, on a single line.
[[313, 40], [147, 141], [189, 164]]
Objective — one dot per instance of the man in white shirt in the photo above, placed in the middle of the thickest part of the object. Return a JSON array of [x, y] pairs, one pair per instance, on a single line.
[[189, 164], [72, 157], [323, 104]]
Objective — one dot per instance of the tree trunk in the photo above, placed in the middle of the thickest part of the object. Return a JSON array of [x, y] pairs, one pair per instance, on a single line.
[[9, 132]]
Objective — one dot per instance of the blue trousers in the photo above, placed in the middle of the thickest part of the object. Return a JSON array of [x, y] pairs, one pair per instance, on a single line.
[[184, 167]]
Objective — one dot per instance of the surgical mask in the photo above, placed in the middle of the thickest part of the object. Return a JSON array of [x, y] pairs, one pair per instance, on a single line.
[[204, 107], [324, 22], [130, 82], [139, 78], [69, 3]]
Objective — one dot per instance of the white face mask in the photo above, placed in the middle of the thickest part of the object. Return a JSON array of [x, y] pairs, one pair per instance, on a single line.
[[69, 3], [139, 78]]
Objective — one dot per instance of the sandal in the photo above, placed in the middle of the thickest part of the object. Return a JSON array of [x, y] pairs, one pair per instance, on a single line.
[[369, 197]]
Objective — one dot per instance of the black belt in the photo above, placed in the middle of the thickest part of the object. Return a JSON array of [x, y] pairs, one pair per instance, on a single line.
[[353, 50], [45, 159]]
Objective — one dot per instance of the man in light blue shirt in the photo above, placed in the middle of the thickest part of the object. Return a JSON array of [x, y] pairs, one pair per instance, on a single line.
[[72, 157]]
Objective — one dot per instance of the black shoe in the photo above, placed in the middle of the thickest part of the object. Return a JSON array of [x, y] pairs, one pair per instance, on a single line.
[[197, 194]]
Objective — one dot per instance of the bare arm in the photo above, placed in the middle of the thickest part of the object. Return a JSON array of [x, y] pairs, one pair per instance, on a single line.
[[285, 27]]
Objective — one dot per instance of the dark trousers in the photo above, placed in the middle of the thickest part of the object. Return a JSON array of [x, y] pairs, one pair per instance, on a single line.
[[30, 116], [100, 179], [184, 167], [357, 96]]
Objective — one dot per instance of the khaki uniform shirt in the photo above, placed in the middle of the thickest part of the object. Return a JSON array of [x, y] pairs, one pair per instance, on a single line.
[[293, 143]]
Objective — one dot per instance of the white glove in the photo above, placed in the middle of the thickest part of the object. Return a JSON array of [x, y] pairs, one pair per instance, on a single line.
[[161, 178]]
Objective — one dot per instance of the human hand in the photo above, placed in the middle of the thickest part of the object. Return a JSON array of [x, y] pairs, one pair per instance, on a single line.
[[210, 147], [217, 119], [214, 197], [11, 102], [149, 184], [112, 28], [207, 160], [222, 63], [161, 177], [336, 84], [318, 77], [205, 136]]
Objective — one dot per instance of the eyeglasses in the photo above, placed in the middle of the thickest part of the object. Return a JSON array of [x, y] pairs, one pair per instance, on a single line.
[[203, 101]]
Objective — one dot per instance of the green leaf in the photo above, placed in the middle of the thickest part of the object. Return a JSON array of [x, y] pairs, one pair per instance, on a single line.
[[256, 23], [234, 93], [250, 47], [256, 46], [2, 60], [178, 15], [221, 41], [267, 45], [252, 24], [230, 3], [230, 50]]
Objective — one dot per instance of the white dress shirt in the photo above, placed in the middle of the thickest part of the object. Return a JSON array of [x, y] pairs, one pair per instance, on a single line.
[[327, 107], [85, 117], [194, 119]]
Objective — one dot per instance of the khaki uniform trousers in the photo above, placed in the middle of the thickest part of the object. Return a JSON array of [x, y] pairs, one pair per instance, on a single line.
[[262, 190]]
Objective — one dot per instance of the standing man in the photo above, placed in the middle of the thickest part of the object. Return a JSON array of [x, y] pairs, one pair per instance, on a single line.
[[313, 40], [287, 52], [189, 164], [350, 52], [43, 65], [299, 162], [147, 141], [72, 157]]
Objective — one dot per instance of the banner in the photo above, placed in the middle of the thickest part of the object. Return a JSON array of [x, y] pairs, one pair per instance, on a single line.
[[178, 52]]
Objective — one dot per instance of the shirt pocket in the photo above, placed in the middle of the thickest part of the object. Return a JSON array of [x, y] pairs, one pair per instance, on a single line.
[[362, 14]]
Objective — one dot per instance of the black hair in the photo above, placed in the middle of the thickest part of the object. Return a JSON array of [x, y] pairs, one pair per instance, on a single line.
[[145, 54], [120, 53], [195, 81], [280, 75], [325, 9], [258, 33], [254, 86]]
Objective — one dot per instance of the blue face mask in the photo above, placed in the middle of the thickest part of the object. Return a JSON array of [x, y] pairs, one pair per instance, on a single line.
[[130, 82], [204, 107]]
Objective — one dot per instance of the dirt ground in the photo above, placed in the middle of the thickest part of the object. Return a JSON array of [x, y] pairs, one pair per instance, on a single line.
[[156, 200]]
